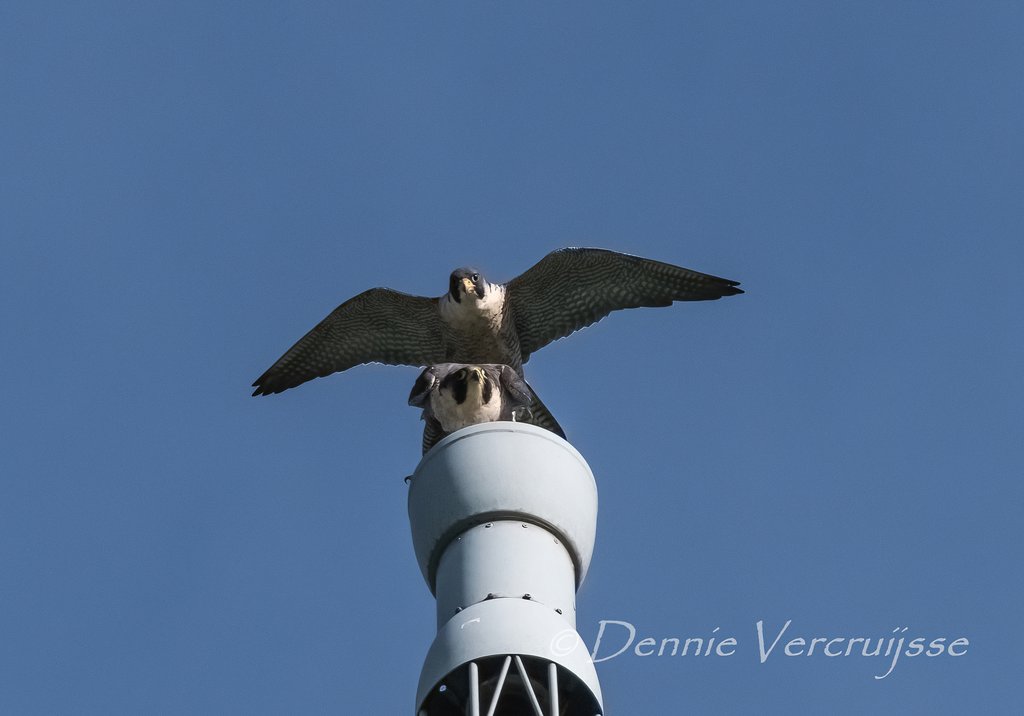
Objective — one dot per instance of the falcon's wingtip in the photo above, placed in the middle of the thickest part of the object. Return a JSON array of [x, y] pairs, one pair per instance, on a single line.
[[264, 386]]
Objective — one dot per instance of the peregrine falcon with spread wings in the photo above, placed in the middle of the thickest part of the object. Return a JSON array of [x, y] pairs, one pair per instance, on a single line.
[[477, 321], [454, 396]]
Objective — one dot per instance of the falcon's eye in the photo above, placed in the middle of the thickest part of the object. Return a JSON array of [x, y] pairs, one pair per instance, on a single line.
[[475, 278]]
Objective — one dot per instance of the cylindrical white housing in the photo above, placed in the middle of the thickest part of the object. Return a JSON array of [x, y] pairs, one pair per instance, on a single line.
[[505, 558], [503, 520]]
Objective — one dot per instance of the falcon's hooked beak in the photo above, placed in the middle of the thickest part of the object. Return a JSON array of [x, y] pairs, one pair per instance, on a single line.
[[477, 385]]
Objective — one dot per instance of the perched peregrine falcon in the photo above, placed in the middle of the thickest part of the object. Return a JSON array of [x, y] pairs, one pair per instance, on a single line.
[[482, 322], [455, 395]]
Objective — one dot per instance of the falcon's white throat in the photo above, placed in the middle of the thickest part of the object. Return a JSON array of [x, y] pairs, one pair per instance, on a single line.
[[474, 312], [455, 416]]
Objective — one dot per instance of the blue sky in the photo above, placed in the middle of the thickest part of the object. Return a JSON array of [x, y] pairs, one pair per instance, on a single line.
[[188, 187]]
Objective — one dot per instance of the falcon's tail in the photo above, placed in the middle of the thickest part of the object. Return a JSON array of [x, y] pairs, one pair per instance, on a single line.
[[539, 415]]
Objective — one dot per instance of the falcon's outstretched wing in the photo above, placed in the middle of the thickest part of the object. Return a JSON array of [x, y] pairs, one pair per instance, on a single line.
[[571, 288], [377, 326]]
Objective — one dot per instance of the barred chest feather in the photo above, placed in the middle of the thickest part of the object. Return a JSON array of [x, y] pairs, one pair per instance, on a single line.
[[480, 330]]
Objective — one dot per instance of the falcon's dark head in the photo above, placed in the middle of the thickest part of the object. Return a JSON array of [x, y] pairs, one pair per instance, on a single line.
[[458, 383], [465, 281]]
